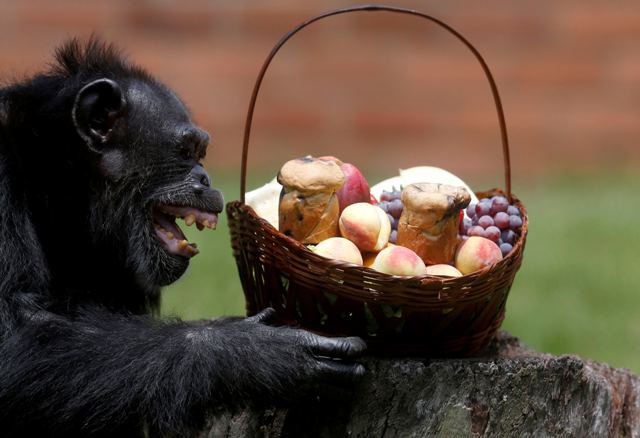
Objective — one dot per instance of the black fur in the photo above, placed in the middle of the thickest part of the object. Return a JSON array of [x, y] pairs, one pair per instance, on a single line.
[[87, 150]]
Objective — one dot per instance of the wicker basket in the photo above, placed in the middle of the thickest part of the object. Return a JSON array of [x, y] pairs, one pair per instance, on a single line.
[[425, 315]]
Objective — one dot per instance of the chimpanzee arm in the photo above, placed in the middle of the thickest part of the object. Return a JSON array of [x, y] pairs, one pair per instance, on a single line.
[[106, 371]]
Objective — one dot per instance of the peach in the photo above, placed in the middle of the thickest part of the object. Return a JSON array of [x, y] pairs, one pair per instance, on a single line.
[[365, 225], [339, 248], [398, 260], [369, 257], [476, 253], [443, 270]]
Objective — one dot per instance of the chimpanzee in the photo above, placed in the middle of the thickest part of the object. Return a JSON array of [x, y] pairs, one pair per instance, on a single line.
[[97, 160]]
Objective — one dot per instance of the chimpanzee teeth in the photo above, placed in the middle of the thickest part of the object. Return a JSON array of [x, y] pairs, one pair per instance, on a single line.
[[207, 224], [190, 216]]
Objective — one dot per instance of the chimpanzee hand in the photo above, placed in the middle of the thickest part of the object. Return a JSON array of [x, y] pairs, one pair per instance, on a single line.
[[330, 359], [284, 363]]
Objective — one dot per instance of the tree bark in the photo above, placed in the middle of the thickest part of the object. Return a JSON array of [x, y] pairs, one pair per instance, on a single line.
[[511, 391]]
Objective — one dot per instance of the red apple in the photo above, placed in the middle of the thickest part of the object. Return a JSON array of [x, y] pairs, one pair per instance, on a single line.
[[355, 188]]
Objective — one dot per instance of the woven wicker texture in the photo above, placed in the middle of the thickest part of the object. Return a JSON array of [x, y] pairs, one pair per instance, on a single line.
[[425, 315]]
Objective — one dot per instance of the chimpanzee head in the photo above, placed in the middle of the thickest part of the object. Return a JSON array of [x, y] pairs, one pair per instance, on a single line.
[[147, 145], [122, 160]]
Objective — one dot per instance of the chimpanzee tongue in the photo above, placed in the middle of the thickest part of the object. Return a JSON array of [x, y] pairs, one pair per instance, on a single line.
[[172, 237]]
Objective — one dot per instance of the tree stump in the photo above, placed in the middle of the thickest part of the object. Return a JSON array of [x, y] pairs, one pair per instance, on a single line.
[[511, 391]]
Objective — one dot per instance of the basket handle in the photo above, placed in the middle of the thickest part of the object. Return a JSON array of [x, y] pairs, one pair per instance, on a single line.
[[285, 38]]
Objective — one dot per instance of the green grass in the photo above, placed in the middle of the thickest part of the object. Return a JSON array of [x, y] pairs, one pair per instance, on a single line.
[[578, 290]]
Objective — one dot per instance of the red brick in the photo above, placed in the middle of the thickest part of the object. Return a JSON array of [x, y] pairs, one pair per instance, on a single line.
[[364, 85]]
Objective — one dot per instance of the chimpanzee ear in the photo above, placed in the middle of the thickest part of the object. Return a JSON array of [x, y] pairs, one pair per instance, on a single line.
[[97, 108]]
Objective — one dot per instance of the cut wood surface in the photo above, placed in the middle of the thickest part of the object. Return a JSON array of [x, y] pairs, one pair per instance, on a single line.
[[511, 391]]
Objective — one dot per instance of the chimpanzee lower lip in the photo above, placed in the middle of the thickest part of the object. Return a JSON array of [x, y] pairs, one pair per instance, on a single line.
[[171, 236]]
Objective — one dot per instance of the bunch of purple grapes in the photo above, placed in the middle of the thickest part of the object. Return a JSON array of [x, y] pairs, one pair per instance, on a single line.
[[391, 204], [495, 219]]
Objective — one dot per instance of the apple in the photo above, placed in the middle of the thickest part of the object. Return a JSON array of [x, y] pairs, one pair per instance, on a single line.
[[476, 253], [339, 248], [443, 270], [366, 225], [355, 187], [398, 260]]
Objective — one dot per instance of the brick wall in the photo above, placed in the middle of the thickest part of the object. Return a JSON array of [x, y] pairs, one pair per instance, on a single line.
[[377, 89]]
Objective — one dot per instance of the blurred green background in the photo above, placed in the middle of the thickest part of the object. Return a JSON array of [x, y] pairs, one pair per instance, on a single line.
[[576, 292]]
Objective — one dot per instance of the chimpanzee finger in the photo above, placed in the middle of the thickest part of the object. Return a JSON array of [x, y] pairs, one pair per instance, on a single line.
[[339, 373], [343, 348], [265, 316]]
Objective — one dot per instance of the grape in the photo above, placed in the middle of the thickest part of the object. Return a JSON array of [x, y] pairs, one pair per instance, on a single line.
[[515, 223], [384, 196], [391, 204], [393, 222], [498, 204], [395, 208], [464, 226], [492, 233], [506, 249], [513, 211], [483, 208], [508, 236], [493, 218], [502, 220], [485, 221], [471, 210]]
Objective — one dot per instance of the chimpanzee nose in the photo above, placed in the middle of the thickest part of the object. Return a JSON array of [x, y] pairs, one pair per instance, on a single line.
[[200, 180]]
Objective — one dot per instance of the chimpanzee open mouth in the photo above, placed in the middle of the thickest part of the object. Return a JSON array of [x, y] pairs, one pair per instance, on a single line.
[[171, 236]]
